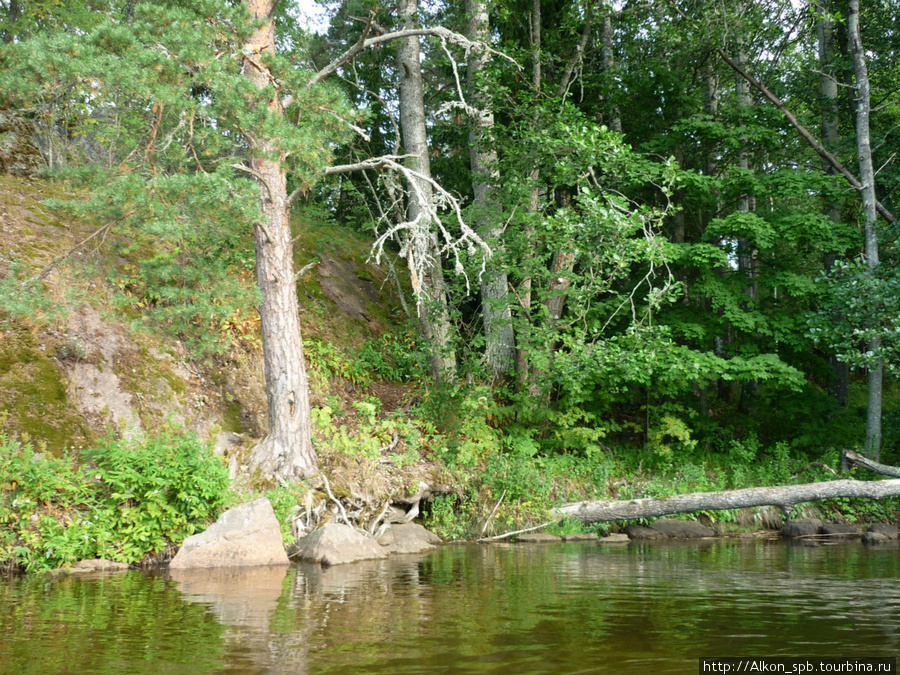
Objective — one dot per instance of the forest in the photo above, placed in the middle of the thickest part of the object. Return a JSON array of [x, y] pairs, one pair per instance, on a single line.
[[639, 246]]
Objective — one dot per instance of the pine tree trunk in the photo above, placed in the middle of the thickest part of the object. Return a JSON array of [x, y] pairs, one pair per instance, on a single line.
[[287, 451], [429, 288], [500, 349], [867, 178], [830, 138]]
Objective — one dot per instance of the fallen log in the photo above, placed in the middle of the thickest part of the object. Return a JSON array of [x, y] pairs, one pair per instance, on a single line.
[[855, 459], [783, 496]]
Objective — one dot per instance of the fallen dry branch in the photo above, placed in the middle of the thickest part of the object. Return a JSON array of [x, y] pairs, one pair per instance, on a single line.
[[512, 534], [784, 496], [855, 459]]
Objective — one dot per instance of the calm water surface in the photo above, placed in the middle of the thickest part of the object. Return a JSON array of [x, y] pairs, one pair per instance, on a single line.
[[517, 609]]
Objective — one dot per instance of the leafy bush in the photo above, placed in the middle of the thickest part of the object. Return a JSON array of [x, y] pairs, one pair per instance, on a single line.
[[120, 500]]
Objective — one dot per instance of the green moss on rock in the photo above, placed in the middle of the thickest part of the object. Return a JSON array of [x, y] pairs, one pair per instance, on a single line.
[[33, 394]]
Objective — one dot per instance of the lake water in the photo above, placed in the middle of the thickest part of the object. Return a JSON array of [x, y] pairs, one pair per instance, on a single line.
[[502, 608]]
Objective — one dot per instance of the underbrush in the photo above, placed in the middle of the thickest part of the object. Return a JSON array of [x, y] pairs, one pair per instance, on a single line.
[[120, 501]]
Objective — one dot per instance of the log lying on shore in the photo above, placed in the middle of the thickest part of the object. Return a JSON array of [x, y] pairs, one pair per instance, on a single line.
[[784, 496]]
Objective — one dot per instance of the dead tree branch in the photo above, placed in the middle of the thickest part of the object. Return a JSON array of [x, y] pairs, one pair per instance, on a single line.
[[855, 459], [60, 258], [365, 43], [419, 229]]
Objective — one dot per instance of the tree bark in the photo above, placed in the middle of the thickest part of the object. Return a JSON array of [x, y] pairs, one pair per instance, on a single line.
[[523, 366], [430, 290], [608, 63], [867, 178], [746, 252], [286, 452], [830, 137], [500, 349], [784, 496], [855, 459], [12, 15], [805, 134]]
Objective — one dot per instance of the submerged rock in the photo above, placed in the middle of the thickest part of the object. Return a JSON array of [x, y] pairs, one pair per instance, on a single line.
[[408, 538], [245, 535], [670, 529], [635, 531], [97, 565], [538, 538], [616, 538], [890, 531], [801, 527], [875, 538], [335, 544], [581, 536]]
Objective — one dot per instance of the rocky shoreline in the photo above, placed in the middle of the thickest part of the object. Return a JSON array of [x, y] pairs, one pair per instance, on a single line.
[[249, 535]]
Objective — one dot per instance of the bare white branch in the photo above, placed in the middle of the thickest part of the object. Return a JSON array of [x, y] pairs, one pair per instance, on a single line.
[[440, 32], [421, 231]]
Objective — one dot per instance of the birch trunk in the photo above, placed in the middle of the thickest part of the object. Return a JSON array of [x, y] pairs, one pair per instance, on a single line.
[[608, 63], [500, 350], [286, 452], [429, 288], [867, 178]]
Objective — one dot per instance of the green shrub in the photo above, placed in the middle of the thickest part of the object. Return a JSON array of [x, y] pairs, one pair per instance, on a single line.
[[120, 500]]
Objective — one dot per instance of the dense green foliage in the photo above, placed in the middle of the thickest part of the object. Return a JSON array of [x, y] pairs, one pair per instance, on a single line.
[[685, 281], [120, 501]]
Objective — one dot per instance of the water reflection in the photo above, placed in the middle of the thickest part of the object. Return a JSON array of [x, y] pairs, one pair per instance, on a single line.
[[244, 601], [503, 608]]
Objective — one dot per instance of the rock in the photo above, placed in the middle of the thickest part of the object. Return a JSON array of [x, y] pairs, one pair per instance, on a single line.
[[670, 529], [245, 535], [616, 538], [336, 543], [537, 538], [890, 531], [386, 538], [875, 538], [98, 565], [19, 154], [801, 527], [842, 530], [581, 536], [682, 529], [409, 538], [635, 531]]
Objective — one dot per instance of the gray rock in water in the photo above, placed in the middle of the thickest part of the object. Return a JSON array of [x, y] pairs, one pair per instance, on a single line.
[[538, 538], [616, 538], [581, 536], [335, 544], [409, 538], [682, 529], [801, 527], [875, 538], [888, 530], [97, 565], [635, 531], [245, 535]]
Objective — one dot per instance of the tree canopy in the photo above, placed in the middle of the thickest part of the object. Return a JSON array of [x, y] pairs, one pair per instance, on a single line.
[[618, 215]]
